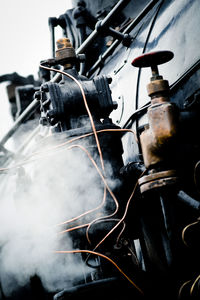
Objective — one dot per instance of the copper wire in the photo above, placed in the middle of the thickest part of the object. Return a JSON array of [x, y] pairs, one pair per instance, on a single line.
[[111, 193], [195, 176], [182, 287], [107, 258], [123, 217], [87, 212], [119, 235], [81, 137], [185, 229], [193, 285], [104, 219], [100, 174], [26, 161], [74, 228]]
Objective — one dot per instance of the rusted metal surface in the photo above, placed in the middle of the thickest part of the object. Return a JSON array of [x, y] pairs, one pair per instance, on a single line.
[[157, 86], [162, 115], [65, 53], [160, 133], [157, 180]]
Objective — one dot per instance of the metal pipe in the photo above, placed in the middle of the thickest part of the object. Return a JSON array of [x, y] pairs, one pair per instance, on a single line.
[[53, 41], [30, 109], [28, 140], [189, 201], [118, 7]]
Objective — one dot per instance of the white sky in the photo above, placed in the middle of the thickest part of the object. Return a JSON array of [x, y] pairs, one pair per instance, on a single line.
[[25, 41]]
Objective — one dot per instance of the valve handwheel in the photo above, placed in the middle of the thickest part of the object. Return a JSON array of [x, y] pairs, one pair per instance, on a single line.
[[152, 59]]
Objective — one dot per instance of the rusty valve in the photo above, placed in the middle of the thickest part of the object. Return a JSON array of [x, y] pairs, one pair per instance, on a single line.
[[158, 136], [152, 60]]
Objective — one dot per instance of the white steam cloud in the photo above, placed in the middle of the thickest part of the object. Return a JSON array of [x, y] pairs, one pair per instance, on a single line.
[[53, 189]]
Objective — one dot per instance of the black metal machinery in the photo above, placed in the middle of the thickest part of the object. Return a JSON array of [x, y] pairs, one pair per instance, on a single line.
[[149, 248]]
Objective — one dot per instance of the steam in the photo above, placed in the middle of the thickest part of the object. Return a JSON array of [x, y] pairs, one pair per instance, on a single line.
[[45, 192]]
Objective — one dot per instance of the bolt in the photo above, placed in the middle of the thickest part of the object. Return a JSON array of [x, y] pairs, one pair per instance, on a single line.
[[43, 121], [53, 21], [51, 113], [115, 105], [51, 116], [81, 3], [45, 88], [81, 57], [37, 95], [109, 79]]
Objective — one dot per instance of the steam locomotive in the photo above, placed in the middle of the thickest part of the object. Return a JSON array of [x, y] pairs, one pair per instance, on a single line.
[[122, 87]]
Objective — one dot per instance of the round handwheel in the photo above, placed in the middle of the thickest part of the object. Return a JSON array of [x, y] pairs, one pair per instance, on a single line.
[[152, 59]]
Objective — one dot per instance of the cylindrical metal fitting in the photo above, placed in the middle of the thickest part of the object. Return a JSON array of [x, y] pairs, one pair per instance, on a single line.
[[157, 86], [65, 51]]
